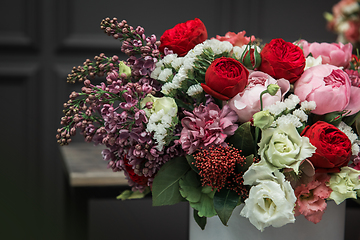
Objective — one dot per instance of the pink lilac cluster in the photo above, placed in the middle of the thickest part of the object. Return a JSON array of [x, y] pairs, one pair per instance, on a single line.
[[110, 113]]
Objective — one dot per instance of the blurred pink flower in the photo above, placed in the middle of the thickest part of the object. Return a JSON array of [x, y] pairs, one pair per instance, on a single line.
[[207, 126], [247, 103], [311, 198], [330, 88], [236, 39], [336, 54]]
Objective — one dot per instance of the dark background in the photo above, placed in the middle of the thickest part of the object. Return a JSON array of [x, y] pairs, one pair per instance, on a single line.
[[40, 41]]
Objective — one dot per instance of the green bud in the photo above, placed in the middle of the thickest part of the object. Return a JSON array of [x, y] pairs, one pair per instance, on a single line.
[[272, 89], [251, 58], [123, 68], [263, 119], [334, 118]]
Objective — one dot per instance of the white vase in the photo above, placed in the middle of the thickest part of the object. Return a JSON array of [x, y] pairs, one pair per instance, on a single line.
[[331, 227]]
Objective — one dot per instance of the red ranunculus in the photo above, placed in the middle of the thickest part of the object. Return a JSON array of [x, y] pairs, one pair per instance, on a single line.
[[333, 147], [141, 180], [184, 37], [225, 78], [282, 59]]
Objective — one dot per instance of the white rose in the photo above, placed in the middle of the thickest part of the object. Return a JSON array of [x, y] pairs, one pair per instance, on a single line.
[[271, 201], [283, 147]]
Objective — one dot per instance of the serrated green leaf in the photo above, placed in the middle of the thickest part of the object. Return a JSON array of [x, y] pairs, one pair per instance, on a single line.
[[165, 186], [190, 187], [243, 139], [224, 203], [205, 206], [201, 221]]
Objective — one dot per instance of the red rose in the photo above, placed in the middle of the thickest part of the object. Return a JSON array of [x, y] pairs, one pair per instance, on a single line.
[[225, 78], [141, 180], [184, 37], [282, 59], [333, 147]]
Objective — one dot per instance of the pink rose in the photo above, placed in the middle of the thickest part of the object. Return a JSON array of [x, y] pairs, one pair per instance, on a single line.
[[336, 54], [330, 88], [247, 103], [238, 39]]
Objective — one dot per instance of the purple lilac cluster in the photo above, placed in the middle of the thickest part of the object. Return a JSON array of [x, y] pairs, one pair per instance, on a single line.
[[110, 113]]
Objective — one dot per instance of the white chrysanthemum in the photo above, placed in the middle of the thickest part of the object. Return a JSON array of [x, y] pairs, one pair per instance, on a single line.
[[217, 46], [197, 50], [194, 90], [168, 87], [177, 80], [348, 131], [155, 74], [277, 108], [312, 62], [163, 76], [176, 63], [308, 106], [301, 115], [291, 101], [166, 119], [289, 118], [169, 58], [351, 135]]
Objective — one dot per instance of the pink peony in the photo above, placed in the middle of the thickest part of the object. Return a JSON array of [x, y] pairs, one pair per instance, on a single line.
[[207, 126], [311, 198], [247, 103], [238, 39], [336, 54], [330, 88]]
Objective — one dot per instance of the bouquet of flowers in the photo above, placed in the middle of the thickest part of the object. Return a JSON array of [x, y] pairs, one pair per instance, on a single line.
[[223, 121], [345, 21]]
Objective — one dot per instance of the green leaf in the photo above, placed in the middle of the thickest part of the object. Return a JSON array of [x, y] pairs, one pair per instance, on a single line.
[[205, 206], [128, 194], [201, 221], [350, 120], [190, 187], [181, 104], [243, 139], [165, 188], [191, 161], [248, 161], [224, 203]]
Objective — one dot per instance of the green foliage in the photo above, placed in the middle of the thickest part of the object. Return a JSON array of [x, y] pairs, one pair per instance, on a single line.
[[224, 203], [243, 139], [128, 194], [201, 221], [200, 198], [191, 161], [165, 187]]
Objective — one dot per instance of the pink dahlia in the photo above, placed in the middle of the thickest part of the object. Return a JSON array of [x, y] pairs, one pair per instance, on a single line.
[[207, 126], [311, 198]]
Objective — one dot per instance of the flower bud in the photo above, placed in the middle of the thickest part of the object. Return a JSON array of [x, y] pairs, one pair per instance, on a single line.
[[263, 119], [273, 89], [123, 68], [251, 58]]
